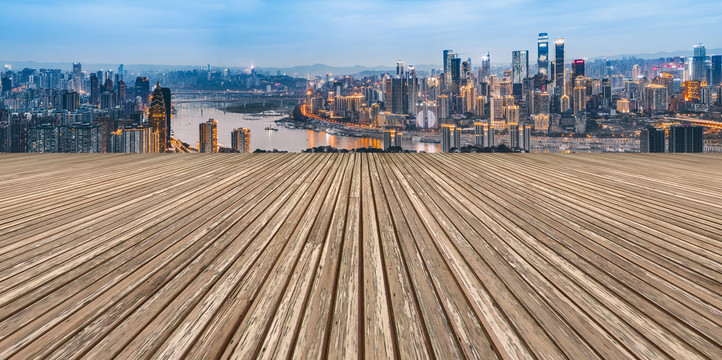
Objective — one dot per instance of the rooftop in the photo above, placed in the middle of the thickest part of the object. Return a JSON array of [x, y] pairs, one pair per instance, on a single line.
[[361, 255]]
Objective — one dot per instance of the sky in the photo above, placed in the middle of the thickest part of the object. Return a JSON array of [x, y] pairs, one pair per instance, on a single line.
[[284, 33]]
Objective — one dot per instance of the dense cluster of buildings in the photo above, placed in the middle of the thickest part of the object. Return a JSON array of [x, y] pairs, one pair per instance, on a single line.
[[681, 139], [552, 95], [54, 111]]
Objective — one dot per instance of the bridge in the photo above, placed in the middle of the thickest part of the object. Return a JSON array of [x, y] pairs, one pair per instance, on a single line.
[[701, 122]]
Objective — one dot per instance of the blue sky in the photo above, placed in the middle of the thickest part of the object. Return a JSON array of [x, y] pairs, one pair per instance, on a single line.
[[346, 32]]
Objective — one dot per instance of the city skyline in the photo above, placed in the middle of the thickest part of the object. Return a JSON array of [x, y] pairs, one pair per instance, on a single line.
[[372, 33]]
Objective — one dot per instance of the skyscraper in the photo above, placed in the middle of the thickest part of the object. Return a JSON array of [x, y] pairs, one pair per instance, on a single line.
[[578, 67], [120, 72], [448, 135], [208, 136], [485, 67], [559, 66], [699, 63], [455, 75], [519, 70], [77, 77], [543, 54], [241, 140], [94, 89], [168, 114], [685, 139], [157, 119], [651, 140], [448, 55], [142, 88], [716, 71], [400, 67], [525, 137]]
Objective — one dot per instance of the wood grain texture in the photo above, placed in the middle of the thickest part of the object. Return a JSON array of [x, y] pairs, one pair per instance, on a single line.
[[361, 256]]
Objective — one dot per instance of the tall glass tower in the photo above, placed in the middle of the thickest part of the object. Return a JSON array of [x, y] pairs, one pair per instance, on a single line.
[[448, 55], [699, 63], [559, 64], [543, 54]]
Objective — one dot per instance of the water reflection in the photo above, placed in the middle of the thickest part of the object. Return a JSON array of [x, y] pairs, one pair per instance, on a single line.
[[189, 115]]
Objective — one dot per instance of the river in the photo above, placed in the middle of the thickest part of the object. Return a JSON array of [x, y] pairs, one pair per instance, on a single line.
[[188, 115]]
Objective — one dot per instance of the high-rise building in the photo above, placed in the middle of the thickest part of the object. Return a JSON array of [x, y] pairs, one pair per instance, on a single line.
[[496, 111], [513, 135], [94, 90], [651, 140], [559, 66], [623, 106], [120, 72], [519, 70], [541, 122], [389, 139], [655, 99], [168, 114], [525, 137], [157, 119], [142, 88], [448, 55], [719, 95], [455, 75], [400, 67], [208, 136], [636, 72], [488, 136], [705, 95], [543, 54], [716, 71], [580, 99], [686, 139], [479, 133], [485, 69], [699, 63], [241, 140], [578, 68], [77, 77], [121, 92], [447, 137]]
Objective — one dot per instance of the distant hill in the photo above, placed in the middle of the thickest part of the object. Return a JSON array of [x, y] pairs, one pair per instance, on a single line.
[[661, 54]]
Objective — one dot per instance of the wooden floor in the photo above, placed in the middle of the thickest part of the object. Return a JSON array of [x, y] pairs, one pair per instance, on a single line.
[[376, 256]]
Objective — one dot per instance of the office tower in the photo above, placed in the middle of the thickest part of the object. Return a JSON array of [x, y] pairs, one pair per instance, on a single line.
[[465, 69], [580, 99], [479, 133], [77, 77], [120, 72], [398, 139], [543, 54], [636, 72], [564, 103], [94, 90], [157, 119], [719, 95], [525, 137], [448, 55], [479, 105], [241, 140], [455, 75], [578, 68], [699, 63], [559, 66], [651, 140], [519, 70], [513, 135], [400, 67], [540, 102], [716, 71], [412, 90], [6, 84], [142, 88], [446, 137], [397, 98], [686, 139], [208, 136], [485, 69]]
